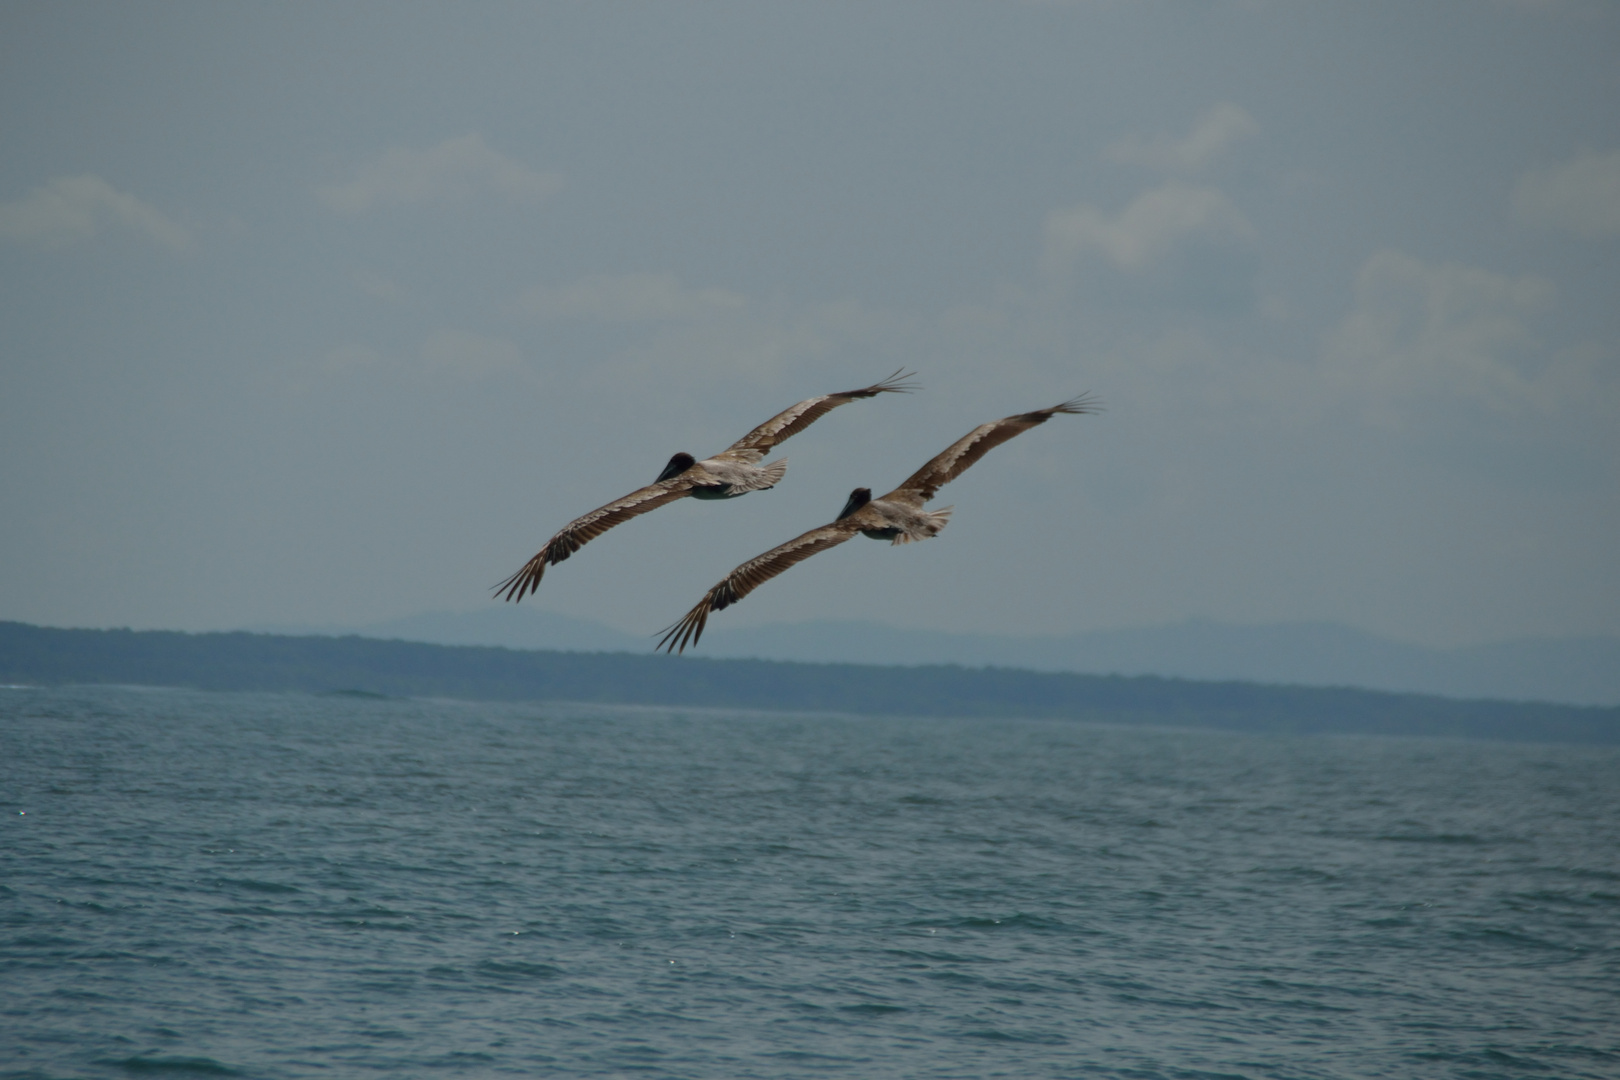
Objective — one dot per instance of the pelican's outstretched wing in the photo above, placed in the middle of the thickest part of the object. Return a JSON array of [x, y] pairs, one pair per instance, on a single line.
[[925, 483], [788, 423], [750, 576], [582, 530]]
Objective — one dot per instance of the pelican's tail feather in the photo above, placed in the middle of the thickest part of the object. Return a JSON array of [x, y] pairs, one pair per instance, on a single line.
[[774, 473], [934, 521]]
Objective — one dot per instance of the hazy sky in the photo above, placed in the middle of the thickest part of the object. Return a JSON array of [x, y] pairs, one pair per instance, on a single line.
[[333, 313]]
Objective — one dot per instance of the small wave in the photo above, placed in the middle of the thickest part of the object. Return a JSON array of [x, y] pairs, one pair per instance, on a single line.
[[1016, 921], [252, 885], [206, 1066], [514, 970], [254, 910], [925, 957], [1488, 1056], [1042, 1038], [1502, 935]]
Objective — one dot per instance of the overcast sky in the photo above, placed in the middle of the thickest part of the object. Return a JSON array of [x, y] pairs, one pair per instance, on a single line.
[[333, 313]]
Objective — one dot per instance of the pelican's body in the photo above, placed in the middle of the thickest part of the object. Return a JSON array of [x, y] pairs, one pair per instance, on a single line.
[[734, 471], [723, 477], [891, 519], [897, 517]]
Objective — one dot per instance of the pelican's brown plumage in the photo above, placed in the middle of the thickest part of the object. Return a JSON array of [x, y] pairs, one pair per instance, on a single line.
[[732, 472], [898, 517]]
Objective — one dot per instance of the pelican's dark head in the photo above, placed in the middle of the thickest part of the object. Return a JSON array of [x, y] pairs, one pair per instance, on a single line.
[[857, 499], [677, 465]]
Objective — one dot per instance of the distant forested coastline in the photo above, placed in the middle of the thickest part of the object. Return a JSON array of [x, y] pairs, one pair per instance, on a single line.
[[37, 655]]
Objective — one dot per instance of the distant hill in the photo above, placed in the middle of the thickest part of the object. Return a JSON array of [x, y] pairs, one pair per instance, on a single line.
[[243, 661], [1577, 671]]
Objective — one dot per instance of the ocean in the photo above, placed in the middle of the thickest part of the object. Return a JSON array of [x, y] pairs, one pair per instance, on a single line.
[[258, 885]]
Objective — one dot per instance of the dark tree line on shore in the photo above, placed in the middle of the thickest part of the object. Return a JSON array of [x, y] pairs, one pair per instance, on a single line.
[[263, 662]]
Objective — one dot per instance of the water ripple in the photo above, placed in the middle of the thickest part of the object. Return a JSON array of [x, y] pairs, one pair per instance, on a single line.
[[289, 887]]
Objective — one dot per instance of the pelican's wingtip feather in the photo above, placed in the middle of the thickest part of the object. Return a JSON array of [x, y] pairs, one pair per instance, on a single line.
[[1085, 404], [901, 382], [675, 639], [520, 584]]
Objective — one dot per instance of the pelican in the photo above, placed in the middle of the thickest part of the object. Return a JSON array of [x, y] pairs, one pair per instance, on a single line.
[[897, 517], [732, 472]]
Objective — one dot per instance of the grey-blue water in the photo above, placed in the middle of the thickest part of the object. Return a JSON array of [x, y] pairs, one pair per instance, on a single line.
[[283, 886]]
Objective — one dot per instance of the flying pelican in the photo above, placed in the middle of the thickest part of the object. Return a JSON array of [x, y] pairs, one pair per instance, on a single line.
[[898, 517], [732, 472]]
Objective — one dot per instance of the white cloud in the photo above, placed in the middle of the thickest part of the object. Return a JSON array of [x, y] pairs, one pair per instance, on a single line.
[[1423, 336], [1580, 196], [1218, 129], [629, 298], [1146, 231], [71, 209], [453, 170]]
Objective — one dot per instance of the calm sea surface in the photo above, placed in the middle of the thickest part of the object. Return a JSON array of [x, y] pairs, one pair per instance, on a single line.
[[282, 886]]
